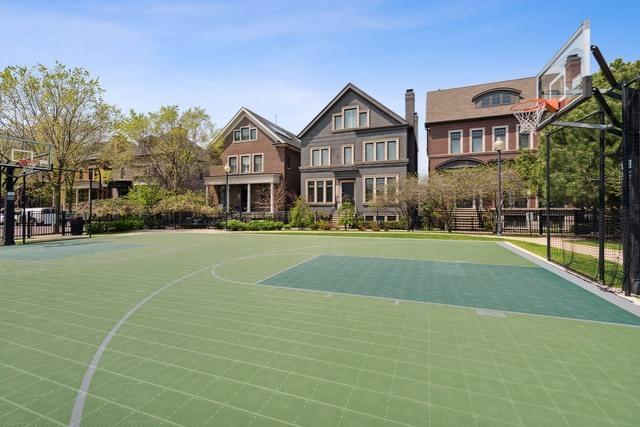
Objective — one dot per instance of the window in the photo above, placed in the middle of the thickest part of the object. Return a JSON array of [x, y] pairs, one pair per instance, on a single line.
[[477, 140], [233, 164], [392, 150], [350, 118], [245, 164], [311, 191], [320, 156], [455, 145], [257, 163], [320, 191], [363, 119], [524, 140], [501, 132], [368, 152], [337, 121], [380, 150], [347, 155], [245, 134], [368, 189], [496, 98], [379, 186]]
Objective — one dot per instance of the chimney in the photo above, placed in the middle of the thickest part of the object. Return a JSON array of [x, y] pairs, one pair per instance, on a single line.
[[409, 105]]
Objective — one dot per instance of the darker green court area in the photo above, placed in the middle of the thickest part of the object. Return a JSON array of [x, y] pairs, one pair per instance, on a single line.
[[532, 290]]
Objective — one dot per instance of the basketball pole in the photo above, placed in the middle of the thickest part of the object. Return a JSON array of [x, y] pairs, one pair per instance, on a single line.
[[9, 208]]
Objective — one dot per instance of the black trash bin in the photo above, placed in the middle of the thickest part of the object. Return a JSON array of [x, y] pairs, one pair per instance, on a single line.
[[77, 226]]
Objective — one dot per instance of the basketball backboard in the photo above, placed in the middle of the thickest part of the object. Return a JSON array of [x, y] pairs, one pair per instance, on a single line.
[[23, 153], [565, 80]]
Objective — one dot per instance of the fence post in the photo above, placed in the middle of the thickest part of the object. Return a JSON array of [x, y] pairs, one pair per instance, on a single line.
[[64, 222]]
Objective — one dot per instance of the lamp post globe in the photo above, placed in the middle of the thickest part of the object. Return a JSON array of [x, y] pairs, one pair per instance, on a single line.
[[227, 168], [498, 146]]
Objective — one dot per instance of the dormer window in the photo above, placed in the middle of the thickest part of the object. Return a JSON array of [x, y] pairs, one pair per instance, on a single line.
[[351, 117], [245, 134], [496, 98]]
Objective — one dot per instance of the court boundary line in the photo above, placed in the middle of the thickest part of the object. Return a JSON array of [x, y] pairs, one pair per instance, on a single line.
[[575, 279], [233, 282]]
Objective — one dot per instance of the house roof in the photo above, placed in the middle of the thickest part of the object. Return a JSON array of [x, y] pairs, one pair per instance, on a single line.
[[445, 105], [278, 134], [360, 92]]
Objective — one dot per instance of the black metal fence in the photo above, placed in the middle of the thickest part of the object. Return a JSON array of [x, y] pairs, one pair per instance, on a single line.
[[39, 222]]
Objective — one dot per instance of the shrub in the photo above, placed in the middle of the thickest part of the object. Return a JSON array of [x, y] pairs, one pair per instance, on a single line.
[[324, 225], [189, 202], [300, 215], [235, 225], [287, 227], [374, 226], [117, 226], [255, 225]]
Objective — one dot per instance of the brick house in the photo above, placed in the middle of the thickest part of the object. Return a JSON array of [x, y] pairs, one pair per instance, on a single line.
[[264, 159], [353, 150], [463, 123]]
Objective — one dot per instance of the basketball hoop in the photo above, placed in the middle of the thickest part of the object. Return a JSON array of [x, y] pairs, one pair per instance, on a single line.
[[530, 111], [25, 164]]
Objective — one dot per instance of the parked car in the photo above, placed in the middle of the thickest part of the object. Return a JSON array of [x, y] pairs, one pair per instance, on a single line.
[[38, 216]]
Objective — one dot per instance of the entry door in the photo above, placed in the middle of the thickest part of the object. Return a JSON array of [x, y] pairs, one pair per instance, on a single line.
[[346, 190], [243, 198]]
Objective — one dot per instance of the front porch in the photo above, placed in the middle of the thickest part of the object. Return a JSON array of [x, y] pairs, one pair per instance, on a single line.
[[247, 194]]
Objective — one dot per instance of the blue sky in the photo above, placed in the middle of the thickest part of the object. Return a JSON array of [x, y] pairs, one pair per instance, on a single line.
[[291, 57]]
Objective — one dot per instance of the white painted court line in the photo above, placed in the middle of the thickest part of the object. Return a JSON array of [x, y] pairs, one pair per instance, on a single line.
[[575, 279]]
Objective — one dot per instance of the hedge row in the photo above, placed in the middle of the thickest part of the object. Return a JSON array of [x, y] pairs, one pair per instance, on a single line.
[[116, 226], [255, 225]]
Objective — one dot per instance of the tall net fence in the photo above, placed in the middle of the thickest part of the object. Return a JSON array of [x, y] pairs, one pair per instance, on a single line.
[[585, 195]]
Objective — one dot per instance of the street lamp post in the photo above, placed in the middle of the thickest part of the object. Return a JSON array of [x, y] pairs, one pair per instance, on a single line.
[[227, 169], [498, 146]]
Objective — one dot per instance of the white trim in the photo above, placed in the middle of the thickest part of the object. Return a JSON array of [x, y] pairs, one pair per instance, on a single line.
[[364, 186], [319, 148], [315, 191], [506, 136], [253, 155], [461, 140], [235, 156], [239, 129], [375, 150], [353, 160], [471, 140], [518, 139], [341, 115], [240, 164]]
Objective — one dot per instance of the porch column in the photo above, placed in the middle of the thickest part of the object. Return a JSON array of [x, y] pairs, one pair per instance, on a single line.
[[206, 194], [114, 193], [248, 198], [271, 199], [77, 196]]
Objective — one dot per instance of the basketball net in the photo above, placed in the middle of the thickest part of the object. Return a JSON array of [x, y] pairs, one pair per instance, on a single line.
[[529, 113], [25, 165]]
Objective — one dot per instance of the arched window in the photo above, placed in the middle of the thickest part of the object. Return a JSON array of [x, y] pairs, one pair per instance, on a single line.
[[496, 98]]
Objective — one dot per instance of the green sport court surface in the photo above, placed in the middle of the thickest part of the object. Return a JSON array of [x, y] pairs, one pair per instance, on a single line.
[[189, 329]]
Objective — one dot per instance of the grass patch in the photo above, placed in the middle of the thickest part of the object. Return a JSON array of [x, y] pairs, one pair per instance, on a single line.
[[394, 234], [580, 263], [593, 242]]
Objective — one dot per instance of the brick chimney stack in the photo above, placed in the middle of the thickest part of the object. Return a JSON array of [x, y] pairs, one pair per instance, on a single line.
[[409, 105]]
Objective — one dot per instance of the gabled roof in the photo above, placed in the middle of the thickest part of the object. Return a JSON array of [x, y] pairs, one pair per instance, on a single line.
[[351, 87], [445, 105], [278, 134]]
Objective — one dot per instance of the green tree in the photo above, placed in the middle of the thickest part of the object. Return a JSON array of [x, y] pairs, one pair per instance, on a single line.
[[173, 142], [347, 214], [61, 106], [300, 215]]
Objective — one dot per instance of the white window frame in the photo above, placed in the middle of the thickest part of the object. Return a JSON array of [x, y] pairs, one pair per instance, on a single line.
[[253, 162], [518, 139], [315, 190], [386, 185], [471, 140], [319, 148], [461, 140], [506, 136], [240, 163], [358, 111], [375, 151], [237, 164], [353, 160], [245, 140]]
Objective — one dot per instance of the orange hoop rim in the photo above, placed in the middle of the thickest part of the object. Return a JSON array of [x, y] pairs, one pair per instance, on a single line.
[[535, 104], [25, 162]]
